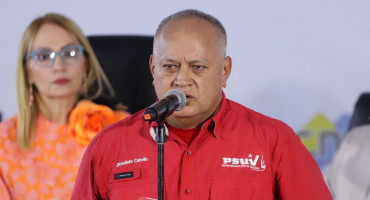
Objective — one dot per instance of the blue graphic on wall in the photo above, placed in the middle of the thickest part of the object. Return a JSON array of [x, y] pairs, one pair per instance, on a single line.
[[322, 137]]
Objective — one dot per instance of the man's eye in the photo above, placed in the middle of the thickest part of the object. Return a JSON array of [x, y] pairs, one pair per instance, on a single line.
[[170, 66], [198, 67]]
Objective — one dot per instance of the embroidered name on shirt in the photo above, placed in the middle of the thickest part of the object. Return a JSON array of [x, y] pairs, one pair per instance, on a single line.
[[136, 160], [255, 163], [123, 175]]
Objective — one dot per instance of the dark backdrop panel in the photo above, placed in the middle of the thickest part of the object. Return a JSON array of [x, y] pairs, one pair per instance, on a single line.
[[125, 61]]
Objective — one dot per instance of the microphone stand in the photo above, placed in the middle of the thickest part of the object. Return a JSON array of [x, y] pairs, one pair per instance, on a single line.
[[161, 138], [175, 100]]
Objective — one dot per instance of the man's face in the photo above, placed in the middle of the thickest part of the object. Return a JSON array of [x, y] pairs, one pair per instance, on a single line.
[[187, 56]]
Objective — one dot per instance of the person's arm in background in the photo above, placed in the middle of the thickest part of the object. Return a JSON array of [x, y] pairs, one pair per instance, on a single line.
[[4, 190], [336, 167], [5, 127], [348, 175], [297, 174]]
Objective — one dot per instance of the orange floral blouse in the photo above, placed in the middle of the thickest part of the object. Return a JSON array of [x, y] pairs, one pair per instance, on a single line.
[[49, 170]]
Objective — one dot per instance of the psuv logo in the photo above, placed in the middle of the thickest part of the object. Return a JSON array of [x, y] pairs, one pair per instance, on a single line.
[[254, 162]]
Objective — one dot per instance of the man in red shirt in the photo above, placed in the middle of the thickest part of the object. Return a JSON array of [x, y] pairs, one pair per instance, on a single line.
[[216, 148]]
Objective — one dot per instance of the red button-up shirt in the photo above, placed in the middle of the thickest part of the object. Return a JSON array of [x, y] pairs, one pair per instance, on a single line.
[[238, 154]]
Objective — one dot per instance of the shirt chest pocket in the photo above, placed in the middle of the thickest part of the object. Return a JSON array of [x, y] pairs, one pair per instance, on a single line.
[[243, 188], [131, 184]]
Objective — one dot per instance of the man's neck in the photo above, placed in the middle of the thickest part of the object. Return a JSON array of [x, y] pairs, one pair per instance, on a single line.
[[190, 122]]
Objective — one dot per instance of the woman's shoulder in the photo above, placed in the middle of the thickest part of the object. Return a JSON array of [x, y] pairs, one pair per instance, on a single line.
[[8, 127]]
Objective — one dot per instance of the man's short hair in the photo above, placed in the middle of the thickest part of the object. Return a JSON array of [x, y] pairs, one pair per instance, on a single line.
[[189, 13]]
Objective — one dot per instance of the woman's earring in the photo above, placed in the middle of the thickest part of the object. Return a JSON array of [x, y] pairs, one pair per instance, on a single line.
[[224, 85], [30, 89]]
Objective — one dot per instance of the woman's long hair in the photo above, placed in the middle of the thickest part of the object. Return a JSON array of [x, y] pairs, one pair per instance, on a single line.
[[94, 82]]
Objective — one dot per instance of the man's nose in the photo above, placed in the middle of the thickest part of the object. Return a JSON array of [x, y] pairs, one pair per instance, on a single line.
[[184, 77]]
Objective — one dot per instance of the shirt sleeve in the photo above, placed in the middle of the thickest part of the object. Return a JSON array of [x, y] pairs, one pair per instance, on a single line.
[[85, 187], [348, 175], [297, 175], [334, 169], [4, 191]]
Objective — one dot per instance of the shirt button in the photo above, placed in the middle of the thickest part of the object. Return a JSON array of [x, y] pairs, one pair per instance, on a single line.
[[188, 153], [188, 191]]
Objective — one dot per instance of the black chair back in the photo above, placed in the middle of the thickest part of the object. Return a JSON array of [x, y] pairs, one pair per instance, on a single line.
[[125, 61]]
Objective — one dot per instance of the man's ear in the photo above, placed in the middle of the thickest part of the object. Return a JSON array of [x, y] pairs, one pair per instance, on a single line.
[[151, 65], [226, 69]]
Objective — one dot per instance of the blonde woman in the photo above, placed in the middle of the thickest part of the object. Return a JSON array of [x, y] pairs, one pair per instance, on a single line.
[[41, 147]]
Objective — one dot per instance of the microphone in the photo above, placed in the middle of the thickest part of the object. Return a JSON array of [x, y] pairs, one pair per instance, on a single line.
[[174, 100]]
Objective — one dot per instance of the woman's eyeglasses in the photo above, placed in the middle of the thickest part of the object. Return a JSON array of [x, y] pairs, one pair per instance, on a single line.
[[46, 57]]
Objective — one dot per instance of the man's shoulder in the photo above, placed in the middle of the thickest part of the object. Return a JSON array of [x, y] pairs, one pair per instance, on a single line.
[[124, 127], [254, 117], [118, 136]]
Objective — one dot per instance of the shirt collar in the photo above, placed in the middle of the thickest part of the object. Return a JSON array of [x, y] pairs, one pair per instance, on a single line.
[[214, 124]]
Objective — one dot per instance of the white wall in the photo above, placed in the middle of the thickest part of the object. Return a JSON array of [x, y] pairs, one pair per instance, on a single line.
[[291, 59]]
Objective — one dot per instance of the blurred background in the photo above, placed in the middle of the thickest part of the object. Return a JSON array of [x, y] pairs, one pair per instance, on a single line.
[[303, 62]]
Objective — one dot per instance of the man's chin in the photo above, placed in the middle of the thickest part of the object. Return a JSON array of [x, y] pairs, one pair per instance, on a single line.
[[181, 115], [184, 113]]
